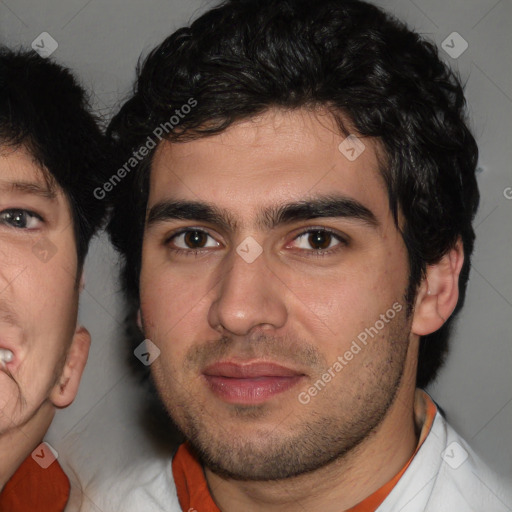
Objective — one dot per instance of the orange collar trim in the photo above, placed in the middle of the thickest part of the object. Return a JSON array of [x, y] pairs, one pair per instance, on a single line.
[[35, 488]]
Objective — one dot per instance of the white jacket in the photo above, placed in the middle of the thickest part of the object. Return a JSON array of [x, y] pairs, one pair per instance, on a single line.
[[447, 476], [444, 476]]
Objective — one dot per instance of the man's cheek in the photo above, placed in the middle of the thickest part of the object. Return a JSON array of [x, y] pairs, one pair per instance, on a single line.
[[328, 304], [171, 334], [168, 299]]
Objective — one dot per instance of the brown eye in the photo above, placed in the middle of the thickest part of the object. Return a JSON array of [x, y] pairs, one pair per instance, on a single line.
[[195, 239], [320, 239]]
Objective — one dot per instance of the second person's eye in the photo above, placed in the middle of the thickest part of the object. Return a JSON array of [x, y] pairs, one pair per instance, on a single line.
[[20, 219]]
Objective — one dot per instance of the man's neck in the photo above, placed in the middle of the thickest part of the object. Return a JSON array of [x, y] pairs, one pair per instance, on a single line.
[[17, 442], [338, 486]]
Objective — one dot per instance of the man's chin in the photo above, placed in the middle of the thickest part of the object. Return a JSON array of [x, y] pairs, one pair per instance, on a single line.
[[251, 465], [262, 454]]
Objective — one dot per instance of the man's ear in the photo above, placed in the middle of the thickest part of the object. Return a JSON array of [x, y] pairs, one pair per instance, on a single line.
[[438, 292], [65, 390]]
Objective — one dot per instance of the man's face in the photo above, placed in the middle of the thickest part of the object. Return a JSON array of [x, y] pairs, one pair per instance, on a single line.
[[268, 255], [38, 292]]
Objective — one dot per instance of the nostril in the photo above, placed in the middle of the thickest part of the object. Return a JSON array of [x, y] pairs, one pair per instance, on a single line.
[[6, 356]]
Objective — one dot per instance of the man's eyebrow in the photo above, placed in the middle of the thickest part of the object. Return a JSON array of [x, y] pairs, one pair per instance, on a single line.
[[29, 187], [269, 218], [318, 207], [190, 210]]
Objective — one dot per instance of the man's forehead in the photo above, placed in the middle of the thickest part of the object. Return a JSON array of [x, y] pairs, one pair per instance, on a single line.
[[276, 129], [233, 172]]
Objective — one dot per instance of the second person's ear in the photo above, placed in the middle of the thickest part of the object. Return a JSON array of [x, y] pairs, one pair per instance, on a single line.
[[65, 390]]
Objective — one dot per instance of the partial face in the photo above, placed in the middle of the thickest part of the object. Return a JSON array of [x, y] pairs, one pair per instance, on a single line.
[[38, 295], [272, 282]]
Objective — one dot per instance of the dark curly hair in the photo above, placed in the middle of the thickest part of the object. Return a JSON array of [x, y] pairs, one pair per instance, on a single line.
[[45, 110], [247, 56]]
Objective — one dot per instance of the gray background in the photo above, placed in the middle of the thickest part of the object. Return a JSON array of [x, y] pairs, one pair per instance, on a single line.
[[102, 40]]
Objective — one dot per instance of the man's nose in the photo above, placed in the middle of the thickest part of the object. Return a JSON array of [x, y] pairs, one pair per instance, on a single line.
[[248, 295]]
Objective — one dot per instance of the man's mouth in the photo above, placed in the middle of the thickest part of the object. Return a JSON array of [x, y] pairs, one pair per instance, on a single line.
[[249, 383]]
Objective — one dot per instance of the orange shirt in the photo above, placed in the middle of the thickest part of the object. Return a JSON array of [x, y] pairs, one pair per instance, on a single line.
[[192, 487], [34, 489]]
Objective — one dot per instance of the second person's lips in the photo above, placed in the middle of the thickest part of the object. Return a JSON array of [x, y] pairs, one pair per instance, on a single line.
[[6, 357]]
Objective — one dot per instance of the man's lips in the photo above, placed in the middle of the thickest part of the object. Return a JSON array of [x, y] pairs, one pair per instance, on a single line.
[[249, 383]]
